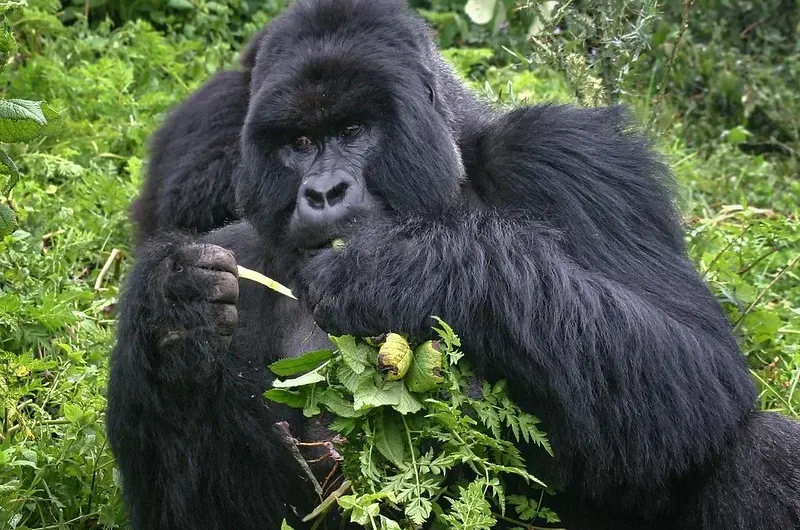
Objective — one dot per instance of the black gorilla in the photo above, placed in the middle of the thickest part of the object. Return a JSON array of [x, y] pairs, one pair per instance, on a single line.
[[545, 236]]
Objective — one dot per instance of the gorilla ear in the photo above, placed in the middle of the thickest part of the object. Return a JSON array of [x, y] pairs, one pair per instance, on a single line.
[[432, 94], [433, 88]]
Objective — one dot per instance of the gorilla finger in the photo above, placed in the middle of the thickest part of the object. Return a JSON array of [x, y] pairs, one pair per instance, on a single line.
[[208, 256], [203, 284]]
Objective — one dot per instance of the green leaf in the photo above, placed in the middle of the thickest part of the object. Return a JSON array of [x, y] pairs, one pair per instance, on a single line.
[[480, 11], [5, 5], [336, 403], [8, 220], [408, 403], [21, 120], [292, 398], [8, 169], [285, 525], [351, 380], [7, 44], [425, 373], [298, 365], [181, 5], [368, 395], [54, 120], [390, 438], [306, 379], [356, 355]]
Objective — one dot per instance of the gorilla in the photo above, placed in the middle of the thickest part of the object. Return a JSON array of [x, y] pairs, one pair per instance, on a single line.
[[545, 235]]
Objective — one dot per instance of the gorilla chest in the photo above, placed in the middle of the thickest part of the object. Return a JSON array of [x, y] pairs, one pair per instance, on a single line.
[[272, 327]]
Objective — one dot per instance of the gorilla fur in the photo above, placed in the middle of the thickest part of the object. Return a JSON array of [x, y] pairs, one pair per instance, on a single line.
[[546, 236]]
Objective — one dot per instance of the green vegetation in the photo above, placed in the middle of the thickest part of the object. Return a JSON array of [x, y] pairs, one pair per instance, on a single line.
[[719, 93]]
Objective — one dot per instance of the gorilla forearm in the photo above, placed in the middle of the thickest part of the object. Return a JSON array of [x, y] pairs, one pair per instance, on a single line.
[[185, 409], [593, 351]]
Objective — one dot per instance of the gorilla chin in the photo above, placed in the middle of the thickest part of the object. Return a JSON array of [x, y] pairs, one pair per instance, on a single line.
[[545, 236]]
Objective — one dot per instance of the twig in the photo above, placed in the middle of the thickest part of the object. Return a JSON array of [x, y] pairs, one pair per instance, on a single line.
[[325, 505], [770, 252], [115, 255], [290, 442], [687, 6], [523, 524], [86, 5], [766, 289]]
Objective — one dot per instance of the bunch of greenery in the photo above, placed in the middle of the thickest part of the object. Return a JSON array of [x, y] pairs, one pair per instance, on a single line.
[[415, 445], [21, 120]]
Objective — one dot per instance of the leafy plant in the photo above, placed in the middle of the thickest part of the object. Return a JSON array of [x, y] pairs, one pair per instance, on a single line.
[[416, 446], [21, 120]]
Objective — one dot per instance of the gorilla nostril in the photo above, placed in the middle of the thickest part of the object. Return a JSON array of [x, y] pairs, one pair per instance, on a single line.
[[337, 193], [314, 199]]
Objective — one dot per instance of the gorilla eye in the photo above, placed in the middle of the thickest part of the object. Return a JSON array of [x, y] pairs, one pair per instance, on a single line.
[[351, 131], [303, 142]]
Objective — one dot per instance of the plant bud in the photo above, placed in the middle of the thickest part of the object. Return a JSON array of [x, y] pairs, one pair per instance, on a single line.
[[394, 357], [425, 372]]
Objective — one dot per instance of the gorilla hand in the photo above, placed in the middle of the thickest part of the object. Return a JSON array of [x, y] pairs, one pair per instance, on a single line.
[[355, 289], [186, 298], [203, 278]]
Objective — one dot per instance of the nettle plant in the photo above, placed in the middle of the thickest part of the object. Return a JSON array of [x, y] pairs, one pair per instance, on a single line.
[[21, 121], [419, 441]]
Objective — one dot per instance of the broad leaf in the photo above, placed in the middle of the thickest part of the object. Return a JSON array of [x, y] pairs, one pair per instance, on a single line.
[[8, 220], [288, 397], [356, 355], [480, 11], [337, 404], [298, 365], [306, 379], [182, 5], [368, 395], [408, 404], [21, 120], [390, 438], [9, 174]]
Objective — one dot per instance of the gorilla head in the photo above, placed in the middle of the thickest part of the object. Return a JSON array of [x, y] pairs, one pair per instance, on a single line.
[[346, 119]]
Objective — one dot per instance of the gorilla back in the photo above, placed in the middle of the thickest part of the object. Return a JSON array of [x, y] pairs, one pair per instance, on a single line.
[[545, 236]]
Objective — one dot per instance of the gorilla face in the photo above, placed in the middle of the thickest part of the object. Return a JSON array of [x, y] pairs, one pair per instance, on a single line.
[[340, 129]]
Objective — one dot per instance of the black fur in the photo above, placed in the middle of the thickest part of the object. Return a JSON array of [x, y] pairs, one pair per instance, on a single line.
[[545, 236]]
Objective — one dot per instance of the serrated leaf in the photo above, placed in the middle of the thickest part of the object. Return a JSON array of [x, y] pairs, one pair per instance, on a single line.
[[356, 355], [350, 380], [408, 403], [390, 438], [368, 395], [287, 397], [8, 220], [7, 42], [304, 363], [305, 379], [336, 403], [54, 120], [21, 120], [72, 413], [480, 11]]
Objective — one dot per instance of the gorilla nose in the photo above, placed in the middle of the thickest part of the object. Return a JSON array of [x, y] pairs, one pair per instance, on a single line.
[[325, 201]]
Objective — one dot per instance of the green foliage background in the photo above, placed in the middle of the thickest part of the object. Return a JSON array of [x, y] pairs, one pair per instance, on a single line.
[[715, 79]]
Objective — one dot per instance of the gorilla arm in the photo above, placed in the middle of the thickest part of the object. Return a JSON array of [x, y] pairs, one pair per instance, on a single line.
[[583, 299], [193, 438]]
